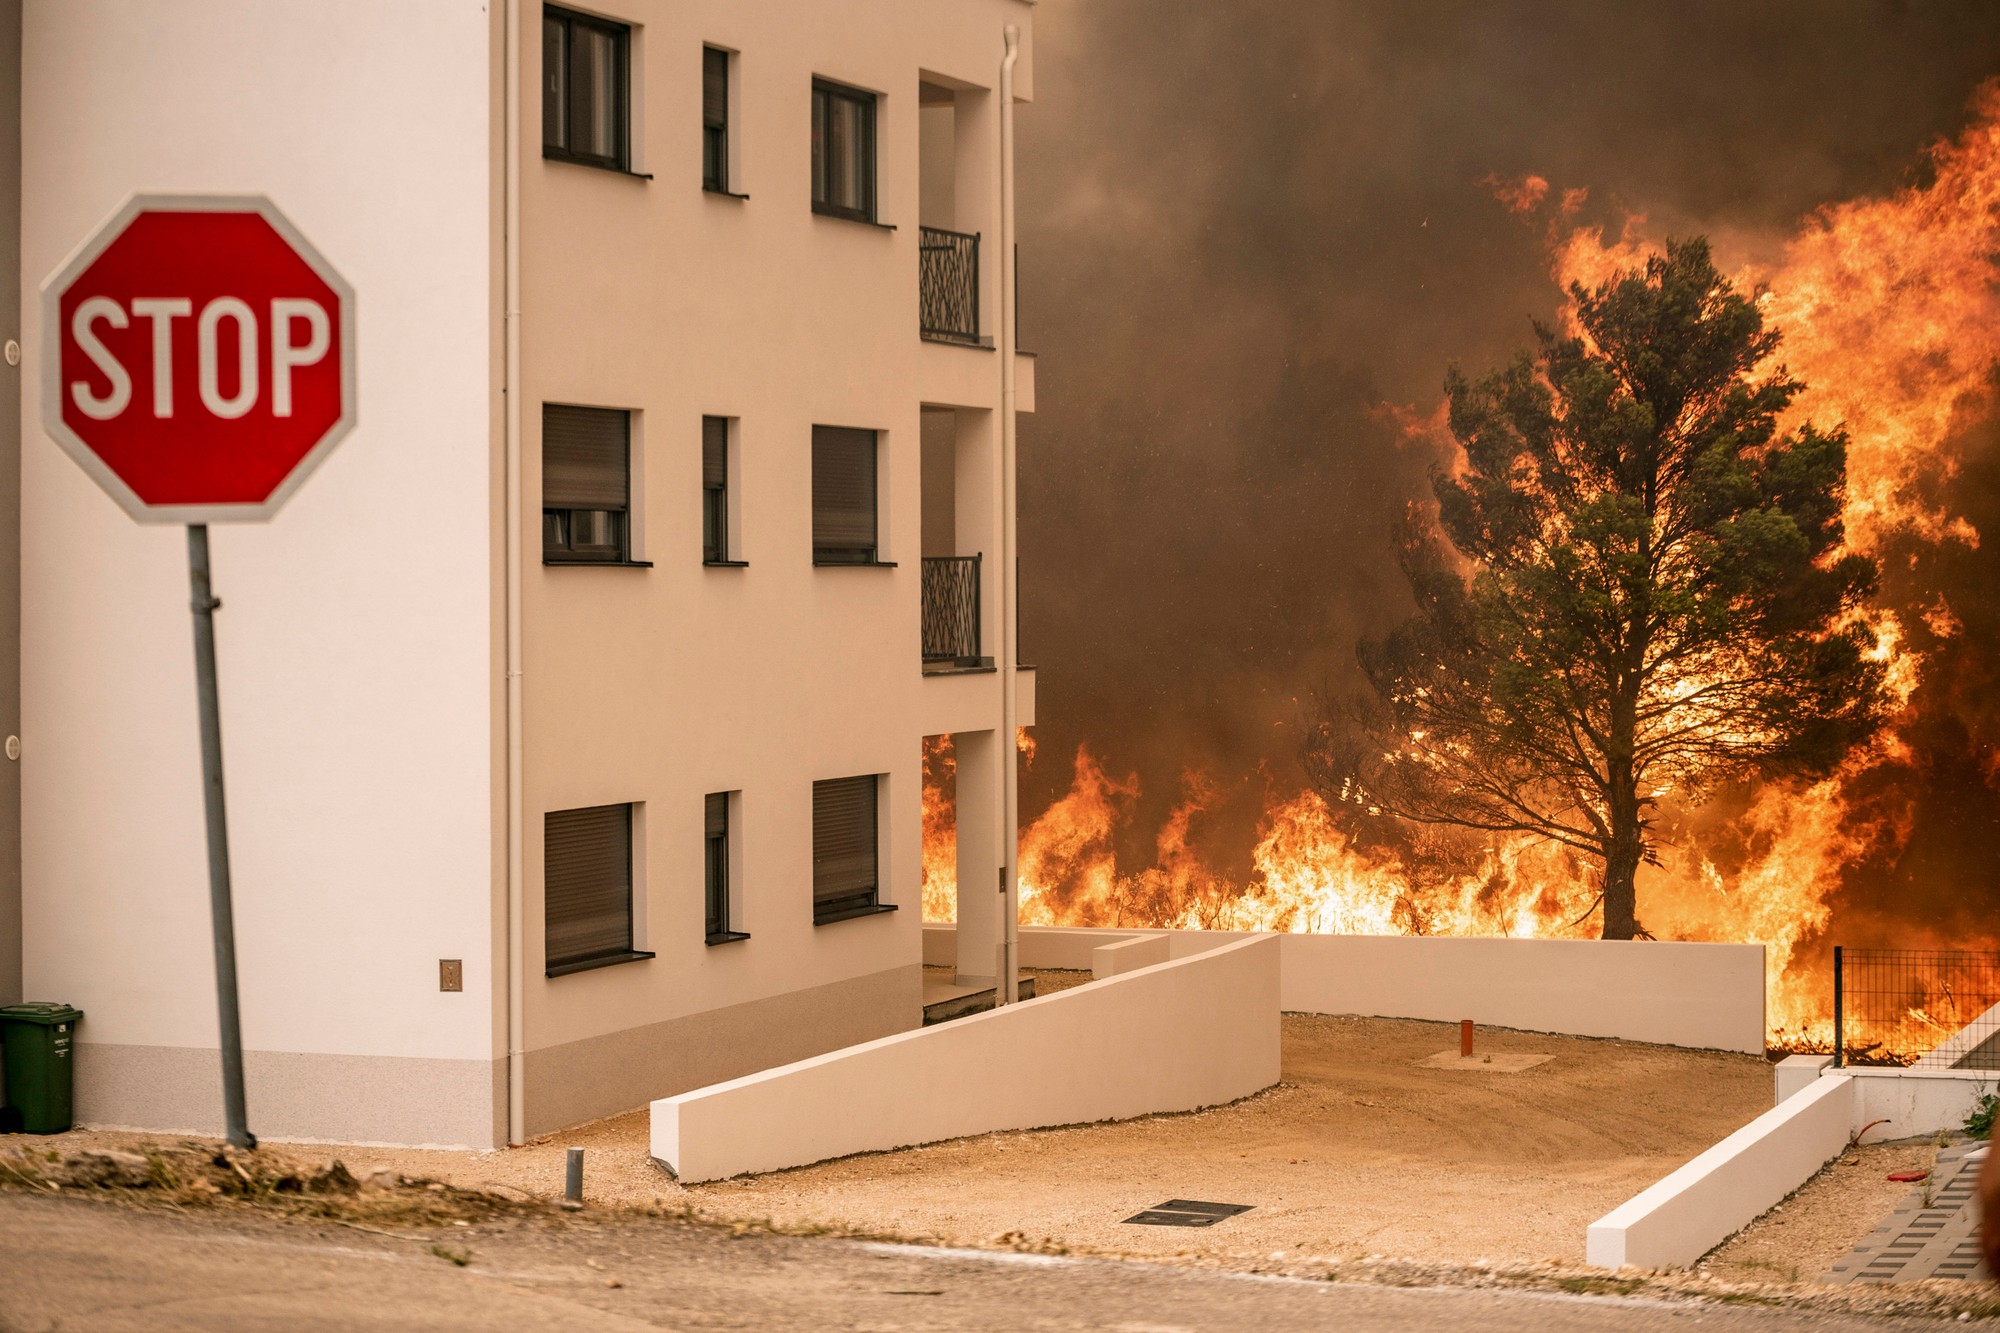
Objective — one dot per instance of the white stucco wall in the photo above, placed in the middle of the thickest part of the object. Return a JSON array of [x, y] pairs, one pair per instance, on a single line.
[[1686, 1214], [1172, 1037], [1707, 996], [659, 685], [355, 637]]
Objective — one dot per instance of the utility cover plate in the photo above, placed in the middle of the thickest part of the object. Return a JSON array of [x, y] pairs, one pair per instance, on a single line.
[[1497, 1062], [1187, 1213]]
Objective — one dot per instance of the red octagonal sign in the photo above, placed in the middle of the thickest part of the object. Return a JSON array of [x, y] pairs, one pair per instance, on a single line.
[[203, 357]]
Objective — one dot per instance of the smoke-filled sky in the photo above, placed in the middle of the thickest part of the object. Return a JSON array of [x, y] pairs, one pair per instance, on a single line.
[[1252, 232]]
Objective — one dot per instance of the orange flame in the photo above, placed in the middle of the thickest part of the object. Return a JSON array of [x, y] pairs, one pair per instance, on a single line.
[[1891, 316]]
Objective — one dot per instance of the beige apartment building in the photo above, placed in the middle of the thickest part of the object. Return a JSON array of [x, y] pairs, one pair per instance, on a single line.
[[573, 711]]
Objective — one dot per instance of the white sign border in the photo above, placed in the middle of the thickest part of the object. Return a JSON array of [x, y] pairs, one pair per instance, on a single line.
[[86, 254]]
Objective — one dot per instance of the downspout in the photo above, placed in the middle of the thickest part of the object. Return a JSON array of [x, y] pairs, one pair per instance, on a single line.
[[1006, 983], [517, 1080]]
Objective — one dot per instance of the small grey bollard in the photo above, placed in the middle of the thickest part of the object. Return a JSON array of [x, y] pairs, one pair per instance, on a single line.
[[573, 1178]]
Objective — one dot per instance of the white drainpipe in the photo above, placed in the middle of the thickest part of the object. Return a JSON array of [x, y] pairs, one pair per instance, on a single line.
[[1006, 982], [510, 168]]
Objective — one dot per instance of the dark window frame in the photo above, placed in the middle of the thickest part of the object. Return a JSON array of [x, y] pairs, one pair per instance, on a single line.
[[558, 140], [615, 952], [829, 907], [560, 523], [718, 881], [715, 534], [825, 91], [828, 553], [715, 144]]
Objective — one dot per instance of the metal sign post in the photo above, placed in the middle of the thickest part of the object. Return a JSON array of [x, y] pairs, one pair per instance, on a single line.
[[221, 913]]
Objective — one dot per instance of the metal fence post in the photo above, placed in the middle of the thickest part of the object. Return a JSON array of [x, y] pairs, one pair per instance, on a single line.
[[1839, 1037]]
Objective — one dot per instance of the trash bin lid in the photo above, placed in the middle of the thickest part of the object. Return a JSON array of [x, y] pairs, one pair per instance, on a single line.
[[43, 1012]]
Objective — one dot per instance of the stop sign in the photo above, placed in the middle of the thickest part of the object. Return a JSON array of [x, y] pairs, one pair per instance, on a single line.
[[200, 357]]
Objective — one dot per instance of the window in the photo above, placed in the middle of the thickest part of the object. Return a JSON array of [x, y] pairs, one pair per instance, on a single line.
[[587, 888], [843, 151], [845, 865], [585, 83], [716, 877], [843, 482], [715, 490], [714, 120], [586, 484]]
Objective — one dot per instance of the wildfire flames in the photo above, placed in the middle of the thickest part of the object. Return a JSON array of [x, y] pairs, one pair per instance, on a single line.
[[1891, 316]]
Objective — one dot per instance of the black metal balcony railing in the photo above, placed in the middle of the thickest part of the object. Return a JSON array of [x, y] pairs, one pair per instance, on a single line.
[[948, 284], [951, 610]]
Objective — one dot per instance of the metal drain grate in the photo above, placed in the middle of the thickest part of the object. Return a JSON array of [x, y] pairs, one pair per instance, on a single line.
[[1187, 1213]]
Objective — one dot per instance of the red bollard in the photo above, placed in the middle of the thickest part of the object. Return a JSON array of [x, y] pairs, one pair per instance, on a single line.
[[1465, 1037]]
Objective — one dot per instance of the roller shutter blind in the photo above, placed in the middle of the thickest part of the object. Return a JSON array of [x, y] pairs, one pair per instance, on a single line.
[[715, 452], [715, 488], [843, 480], [714, 119], [587, 883], [845, 863], [716, 831], [714, 87], [586, 457]]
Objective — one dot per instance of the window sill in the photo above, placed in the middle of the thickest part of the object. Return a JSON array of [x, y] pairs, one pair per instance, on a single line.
[[819, 212], [594, 165], [727, 937], [724, 194], [983, 343], [983, 667], [591, 964], [854, 912], [854, 564], [548, 563], [725, 564]]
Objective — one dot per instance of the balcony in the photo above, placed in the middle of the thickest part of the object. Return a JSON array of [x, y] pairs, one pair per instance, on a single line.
[[948, 286], [951, 614]]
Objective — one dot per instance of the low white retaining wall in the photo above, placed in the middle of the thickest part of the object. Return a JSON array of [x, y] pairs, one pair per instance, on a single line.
[[1917, 1101], [1708, 996], [1795, 1073], [1172, 1037], [1705, 996], [1110, 960], [1690, 1212], [1675, 1222]]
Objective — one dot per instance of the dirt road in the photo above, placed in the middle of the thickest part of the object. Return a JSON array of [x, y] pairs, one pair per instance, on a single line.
[[87, 1264]]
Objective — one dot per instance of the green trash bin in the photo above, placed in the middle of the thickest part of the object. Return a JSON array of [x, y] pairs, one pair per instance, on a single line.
[[39, 1044]]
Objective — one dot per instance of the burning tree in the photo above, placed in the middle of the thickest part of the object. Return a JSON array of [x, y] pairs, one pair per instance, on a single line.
[[1645, 590]]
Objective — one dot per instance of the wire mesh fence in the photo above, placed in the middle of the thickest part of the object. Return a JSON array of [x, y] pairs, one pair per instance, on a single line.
[[1916, 1006]]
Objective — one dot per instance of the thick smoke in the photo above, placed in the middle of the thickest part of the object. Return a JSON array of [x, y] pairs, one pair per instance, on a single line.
[[1253, 237]]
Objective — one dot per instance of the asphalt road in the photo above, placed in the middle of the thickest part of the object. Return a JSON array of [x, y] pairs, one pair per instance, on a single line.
[[83, 1264]]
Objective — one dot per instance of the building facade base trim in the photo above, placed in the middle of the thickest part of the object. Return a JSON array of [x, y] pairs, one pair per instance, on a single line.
[[295, 1095], [622, 1071]]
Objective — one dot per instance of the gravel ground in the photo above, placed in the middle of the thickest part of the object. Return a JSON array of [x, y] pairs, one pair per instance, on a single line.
[[1809, 1232], [1360, 1152]]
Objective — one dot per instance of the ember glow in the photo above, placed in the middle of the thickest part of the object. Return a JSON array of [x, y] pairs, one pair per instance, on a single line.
[[1891, 316]]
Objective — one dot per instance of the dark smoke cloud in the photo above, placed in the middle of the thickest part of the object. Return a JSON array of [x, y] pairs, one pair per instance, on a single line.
[[1250, 227]]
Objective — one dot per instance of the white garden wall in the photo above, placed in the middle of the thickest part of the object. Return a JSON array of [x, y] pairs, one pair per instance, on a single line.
[[1705, 996], [1708, 996], [1172, 1037], [1682, 1217], [1119, 957], [1689, 1213]]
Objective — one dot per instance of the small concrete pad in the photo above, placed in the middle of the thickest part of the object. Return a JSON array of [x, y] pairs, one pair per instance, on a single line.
[[1493, 1062]]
